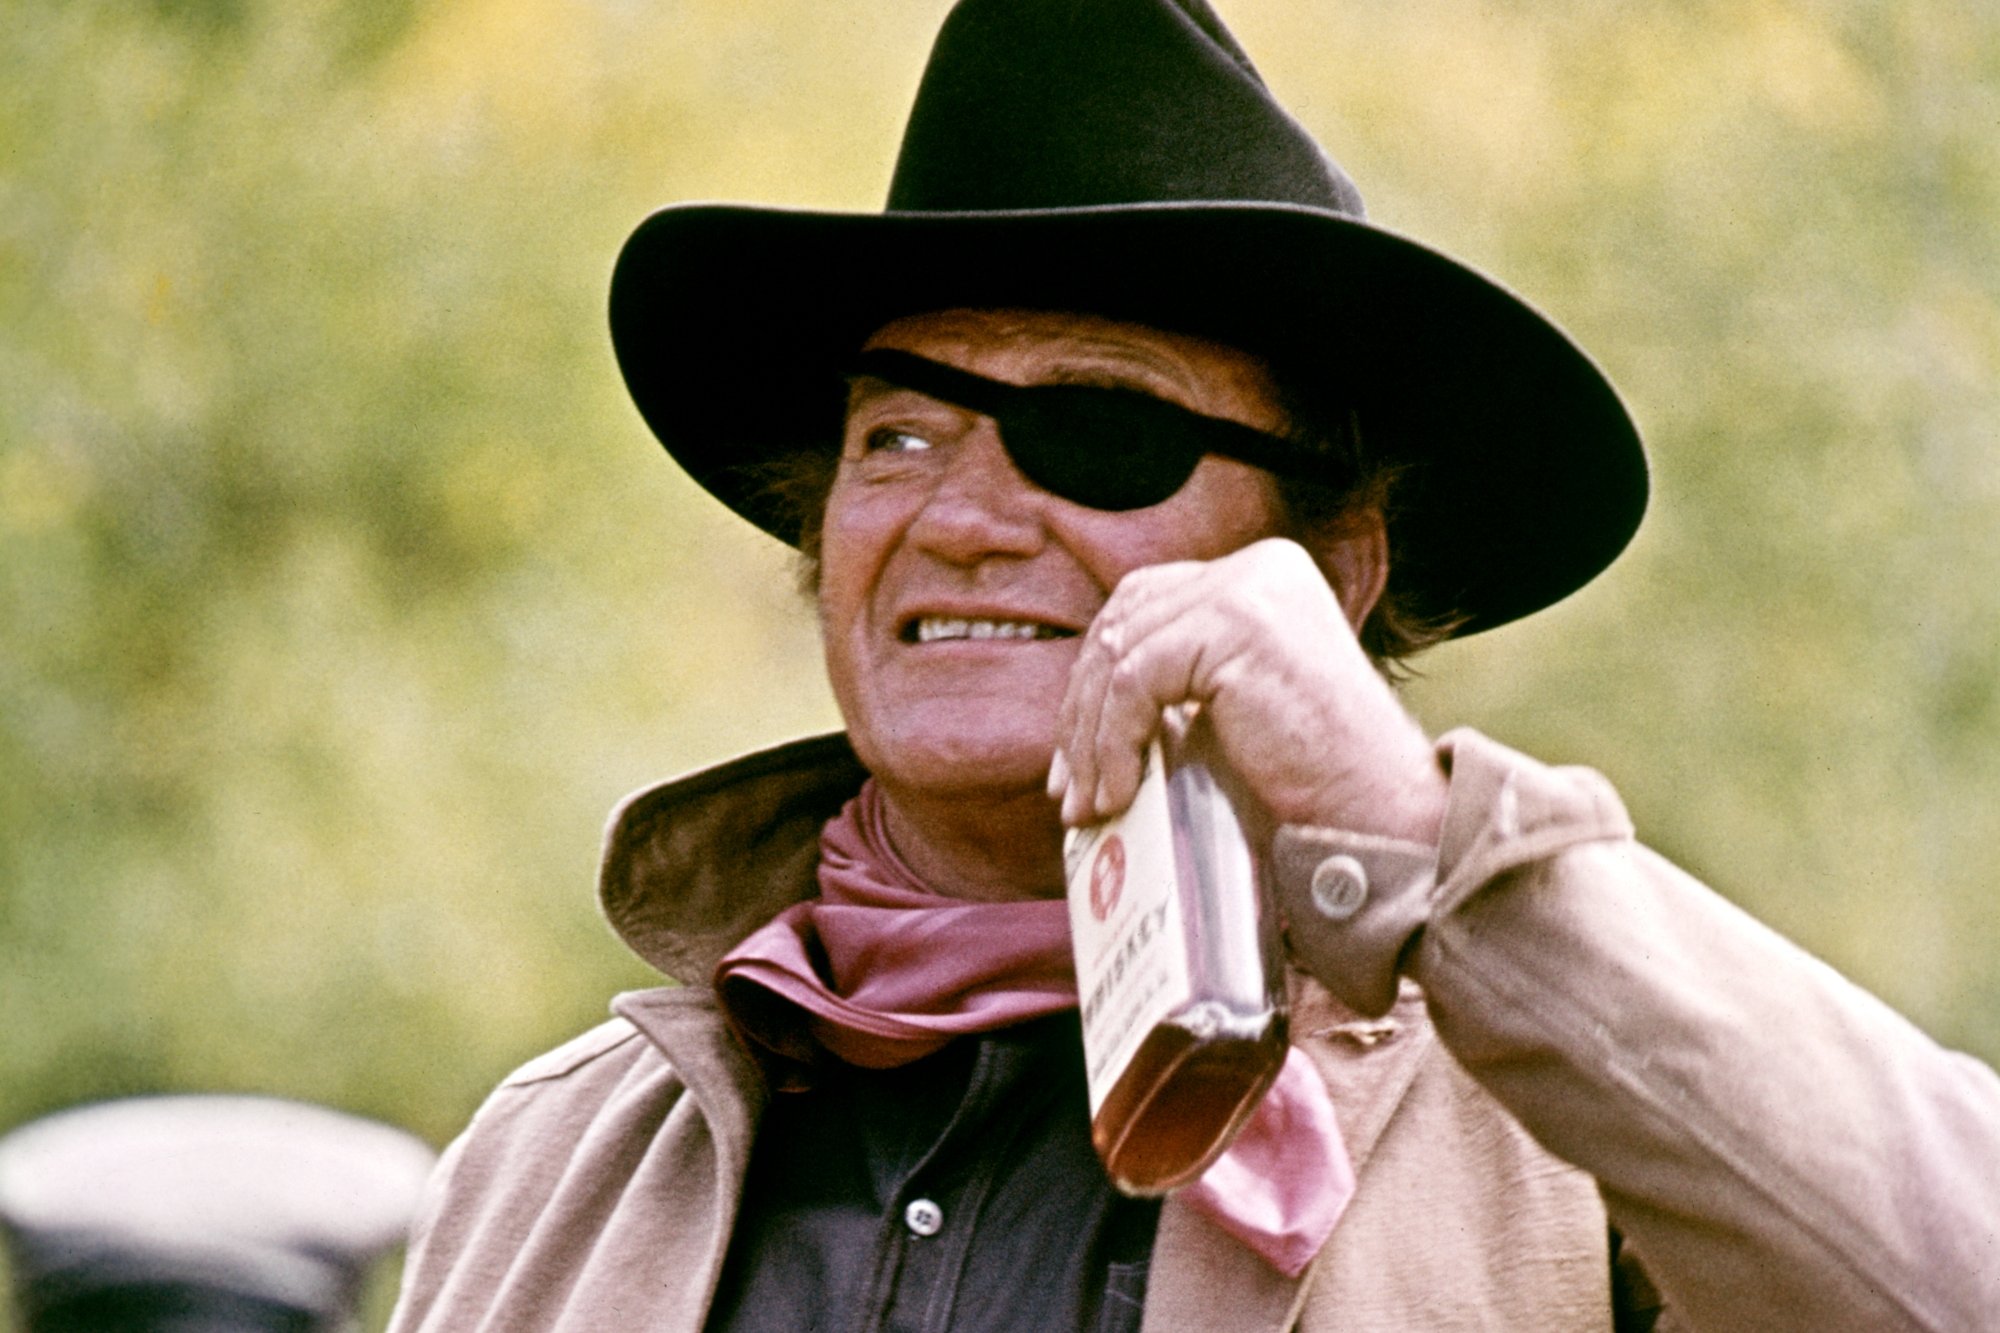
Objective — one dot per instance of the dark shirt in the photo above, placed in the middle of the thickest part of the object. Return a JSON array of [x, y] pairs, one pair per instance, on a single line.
[[959, 1192], [1023, 1231]]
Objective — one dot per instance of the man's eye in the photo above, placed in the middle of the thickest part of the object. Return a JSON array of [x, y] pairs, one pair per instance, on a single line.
[[891, 440]]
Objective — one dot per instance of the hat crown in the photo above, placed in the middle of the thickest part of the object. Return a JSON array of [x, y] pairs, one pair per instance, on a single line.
[[1041, 104]]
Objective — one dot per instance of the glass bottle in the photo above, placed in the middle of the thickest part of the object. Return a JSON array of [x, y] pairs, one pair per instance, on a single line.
[[1179, 970]]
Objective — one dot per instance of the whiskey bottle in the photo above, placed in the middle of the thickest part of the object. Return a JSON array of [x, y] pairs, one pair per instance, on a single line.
[[1179, 970]]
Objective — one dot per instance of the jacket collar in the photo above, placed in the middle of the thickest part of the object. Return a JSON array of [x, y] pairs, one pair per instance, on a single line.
[[697, 863]]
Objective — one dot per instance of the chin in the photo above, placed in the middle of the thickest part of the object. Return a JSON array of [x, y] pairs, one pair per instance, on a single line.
[[975, 765]]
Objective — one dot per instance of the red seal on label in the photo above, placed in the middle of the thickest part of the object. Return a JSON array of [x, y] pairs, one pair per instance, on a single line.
[[1107, 876]]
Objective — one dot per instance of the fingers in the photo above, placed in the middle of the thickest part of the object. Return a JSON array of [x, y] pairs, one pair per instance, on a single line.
[[1156, 643], [1168, 666], [1257, 637], [1106, 645], [1058, 775], [1306, 725]]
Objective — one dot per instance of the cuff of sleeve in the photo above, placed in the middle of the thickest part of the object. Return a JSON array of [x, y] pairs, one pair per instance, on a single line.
[[1356, 905], [1352, 903]]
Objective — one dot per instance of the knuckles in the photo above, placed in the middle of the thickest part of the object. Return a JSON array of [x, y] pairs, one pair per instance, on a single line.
[[1240, 622], [1128, 675]]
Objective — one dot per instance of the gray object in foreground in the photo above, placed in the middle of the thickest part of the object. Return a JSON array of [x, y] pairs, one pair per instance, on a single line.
[[202, 1214]]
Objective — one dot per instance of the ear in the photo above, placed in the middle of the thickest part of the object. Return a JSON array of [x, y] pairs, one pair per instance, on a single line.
[[1353, 553]]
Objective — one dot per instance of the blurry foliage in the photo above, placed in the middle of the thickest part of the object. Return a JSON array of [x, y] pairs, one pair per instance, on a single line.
[[341, 590]]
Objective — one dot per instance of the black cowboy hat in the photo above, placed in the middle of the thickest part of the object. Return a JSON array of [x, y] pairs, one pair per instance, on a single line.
[[1123, 158]]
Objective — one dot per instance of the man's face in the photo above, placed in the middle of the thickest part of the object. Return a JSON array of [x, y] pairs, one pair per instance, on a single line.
[[952, 589]]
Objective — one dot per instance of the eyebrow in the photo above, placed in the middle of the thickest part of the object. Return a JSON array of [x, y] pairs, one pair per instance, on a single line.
[[866, 389]]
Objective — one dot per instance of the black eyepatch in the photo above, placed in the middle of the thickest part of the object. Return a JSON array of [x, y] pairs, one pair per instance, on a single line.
[[1105, 448]]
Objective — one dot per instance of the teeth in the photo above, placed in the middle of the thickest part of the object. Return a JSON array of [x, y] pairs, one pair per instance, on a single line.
[[930, 629]]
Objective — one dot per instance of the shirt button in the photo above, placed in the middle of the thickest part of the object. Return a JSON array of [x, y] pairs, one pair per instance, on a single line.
[[1339, 887], [923, 1217]]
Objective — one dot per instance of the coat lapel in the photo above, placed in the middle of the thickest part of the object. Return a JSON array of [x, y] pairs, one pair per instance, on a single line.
[[1202, 1278], [728, 1090]]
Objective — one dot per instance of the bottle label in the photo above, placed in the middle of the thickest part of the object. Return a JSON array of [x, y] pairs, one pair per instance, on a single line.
[[1126, 925]]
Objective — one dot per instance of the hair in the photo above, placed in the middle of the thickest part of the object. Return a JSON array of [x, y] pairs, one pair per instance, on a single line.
[[1355, 481]]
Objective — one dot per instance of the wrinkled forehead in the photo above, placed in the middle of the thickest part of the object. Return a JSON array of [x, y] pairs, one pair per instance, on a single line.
[[1068, 347]]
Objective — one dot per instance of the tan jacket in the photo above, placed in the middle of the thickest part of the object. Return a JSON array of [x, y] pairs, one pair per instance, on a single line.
[[1782, 1150]]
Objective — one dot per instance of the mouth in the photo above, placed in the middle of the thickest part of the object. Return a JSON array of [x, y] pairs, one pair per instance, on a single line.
[[940, 629]]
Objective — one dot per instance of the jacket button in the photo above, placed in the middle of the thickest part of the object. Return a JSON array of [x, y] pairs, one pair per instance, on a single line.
[[1339, 887], [923, 1217]]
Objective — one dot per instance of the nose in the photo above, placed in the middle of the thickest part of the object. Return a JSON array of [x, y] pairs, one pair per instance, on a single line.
[[981, 506]]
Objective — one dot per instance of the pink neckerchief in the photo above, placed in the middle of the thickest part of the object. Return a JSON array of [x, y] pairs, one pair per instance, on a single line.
[[880, 970]]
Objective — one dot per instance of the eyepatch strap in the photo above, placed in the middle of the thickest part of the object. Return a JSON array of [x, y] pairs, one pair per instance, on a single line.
[[1000, 400]]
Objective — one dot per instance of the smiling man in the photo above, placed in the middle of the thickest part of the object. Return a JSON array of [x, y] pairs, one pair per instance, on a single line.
[[1119, 407], [954, 594]]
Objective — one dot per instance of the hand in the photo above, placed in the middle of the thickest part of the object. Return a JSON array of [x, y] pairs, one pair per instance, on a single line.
[[1309, 727]]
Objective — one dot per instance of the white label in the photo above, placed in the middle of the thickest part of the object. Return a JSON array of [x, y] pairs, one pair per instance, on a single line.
[[1125, 923]]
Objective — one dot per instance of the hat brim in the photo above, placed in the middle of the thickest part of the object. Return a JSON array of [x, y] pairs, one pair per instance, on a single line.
[[1523, 473]]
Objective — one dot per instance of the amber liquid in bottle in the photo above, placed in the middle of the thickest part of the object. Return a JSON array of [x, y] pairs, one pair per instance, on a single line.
[[1178, 970]]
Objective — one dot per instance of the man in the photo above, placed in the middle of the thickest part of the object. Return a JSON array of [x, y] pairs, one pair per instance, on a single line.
[[1119, 407]]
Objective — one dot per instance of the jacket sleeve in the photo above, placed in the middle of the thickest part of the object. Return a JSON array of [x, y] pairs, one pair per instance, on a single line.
[[1780, 1149]]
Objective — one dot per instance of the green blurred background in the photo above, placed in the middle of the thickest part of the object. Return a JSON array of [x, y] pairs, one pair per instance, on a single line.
[[342, 592]]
